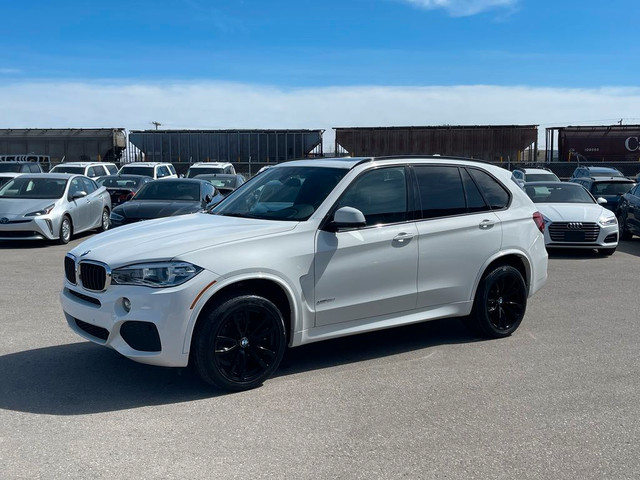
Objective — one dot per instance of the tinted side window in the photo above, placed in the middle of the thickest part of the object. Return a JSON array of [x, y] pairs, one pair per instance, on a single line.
[[475, 201], [381, 195], [89, 185], [494, 193], [162, 171], [441, 191]]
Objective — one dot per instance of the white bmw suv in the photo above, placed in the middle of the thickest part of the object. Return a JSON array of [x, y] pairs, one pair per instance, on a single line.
[[306, 251]]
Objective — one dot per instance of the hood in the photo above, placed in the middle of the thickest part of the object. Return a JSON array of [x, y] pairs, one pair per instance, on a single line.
[[145, 209], [19, 207], [571, 212], [167, 238]]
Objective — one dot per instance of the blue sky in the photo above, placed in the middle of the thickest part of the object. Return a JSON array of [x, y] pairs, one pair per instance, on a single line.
[[285, 64]]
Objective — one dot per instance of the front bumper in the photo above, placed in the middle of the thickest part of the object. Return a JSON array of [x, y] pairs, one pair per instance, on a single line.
[[45, 227], [155, 328], [607, 238]]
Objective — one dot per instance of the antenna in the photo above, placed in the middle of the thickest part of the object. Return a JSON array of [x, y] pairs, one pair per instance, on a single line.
[[157, 124]]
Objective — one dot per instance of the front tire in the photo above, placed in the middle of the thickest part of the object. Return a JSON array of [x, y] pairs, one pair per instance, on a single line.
[[623, 233], [240, 344], [500, 303], [66, 230]]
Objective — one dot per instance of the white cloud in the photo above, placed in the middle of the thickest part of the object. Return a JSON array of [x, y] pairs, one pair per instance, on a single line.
[[230, 106], [462, 8]]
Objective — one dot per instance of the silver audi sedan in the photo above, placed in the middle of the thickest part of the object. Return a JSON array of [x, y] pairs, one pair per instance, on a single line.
[[48, 206]]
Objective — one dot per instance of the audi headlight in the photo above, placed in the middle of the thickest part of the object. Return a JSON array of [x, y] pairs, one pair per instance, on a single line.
[[158, 274], [608, 220], [44, 211]]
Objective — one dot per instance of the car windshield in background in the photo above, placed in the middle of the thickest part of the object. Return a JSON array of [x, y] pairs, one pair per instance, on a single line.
[[9, 167], [146, 171], [4, 180], [611, 188], [119, 182], [199, 171], [283, 193], [541, 177], [22, 187], [558, 193], [68, 169], [169, 190]]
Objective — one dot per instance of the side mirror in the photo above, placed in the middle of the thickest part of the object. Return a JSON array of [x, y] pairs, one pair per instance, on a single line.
[[347, 217], [79, 194], [601, 201]]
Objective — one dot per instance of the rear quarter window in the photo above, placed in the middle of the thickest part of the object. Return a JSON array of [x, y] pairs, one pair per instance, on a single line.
[[493, 192]]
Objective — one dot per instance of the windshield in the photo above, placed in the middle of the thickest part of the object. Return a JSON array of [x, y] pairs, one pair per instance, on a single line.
[[4, 180], [541, 177], [67, 169], [119, 182], [147, 171], [282, 193], [169, 190], [193, 171], [25, 187], [9, 167], [611, 188], [558, 193]]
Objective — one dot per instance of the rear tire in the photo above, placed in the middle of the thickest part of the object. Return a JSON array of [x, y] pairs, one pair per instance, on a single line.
[[240, 343], [500, 303]]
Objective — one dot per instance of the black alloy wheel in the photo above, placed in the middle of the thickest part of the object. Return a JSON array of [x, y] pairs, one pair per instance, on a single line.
[[500, 303], [240, 344]]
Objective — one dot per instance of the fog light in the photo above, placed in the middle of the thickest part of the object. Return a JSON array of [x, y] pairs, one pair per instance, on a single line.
[[126, 304]]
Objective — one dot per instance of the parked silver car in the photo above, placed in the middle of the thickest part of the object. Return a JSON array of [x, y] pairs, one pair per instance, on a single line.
[[50, 206]]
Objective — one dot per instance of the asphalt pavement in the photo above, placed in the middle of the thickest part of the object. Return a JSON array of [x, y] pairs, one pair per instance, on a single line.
[[557, 400]]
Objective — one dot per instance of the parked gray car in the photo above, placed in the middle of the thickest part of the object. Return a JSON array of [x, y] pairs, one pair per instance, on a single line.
[[50, 206]]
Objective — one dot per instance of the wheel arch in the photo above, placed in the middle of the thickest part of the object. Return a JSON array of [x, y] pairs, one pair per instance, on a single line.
[[270, 288], [515, 259]]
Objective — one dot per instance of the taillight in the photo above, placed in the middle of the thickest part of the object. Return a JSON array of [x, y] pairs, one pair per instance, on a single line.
[[539, 220]]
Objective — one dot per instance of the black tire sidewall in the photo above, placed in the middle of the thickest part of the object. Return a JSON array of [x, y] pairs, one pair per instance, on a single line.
[[205, 336], [480, 314]]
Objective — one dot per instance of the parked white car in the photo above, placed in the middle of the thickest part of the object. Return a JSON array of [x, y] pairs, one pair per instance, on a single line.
[[89, 169], [307, 251], [52, 206], [155, 170], [202, 168], [573, 218]]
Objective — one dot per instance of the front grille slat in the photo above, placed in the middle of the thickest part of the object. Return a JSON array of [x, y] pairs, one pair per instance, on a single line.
[[94, 276], [70, 269], [579, 232]]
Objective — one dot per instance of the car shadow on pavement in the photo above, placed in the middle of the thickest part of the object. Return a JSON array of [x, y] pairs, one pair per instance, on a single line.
[[83, 378], [383, 343]]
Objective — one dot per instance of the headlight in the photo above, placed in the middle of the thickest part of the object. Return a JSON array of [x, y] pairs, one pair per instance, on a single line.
[[115, 216], [608, 220], [44, 211], [159, 274]]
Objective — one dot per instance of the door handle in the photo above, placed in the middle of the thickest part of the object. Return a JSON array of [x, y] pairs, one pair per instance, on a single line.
[[486, 224], [401, 237]]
